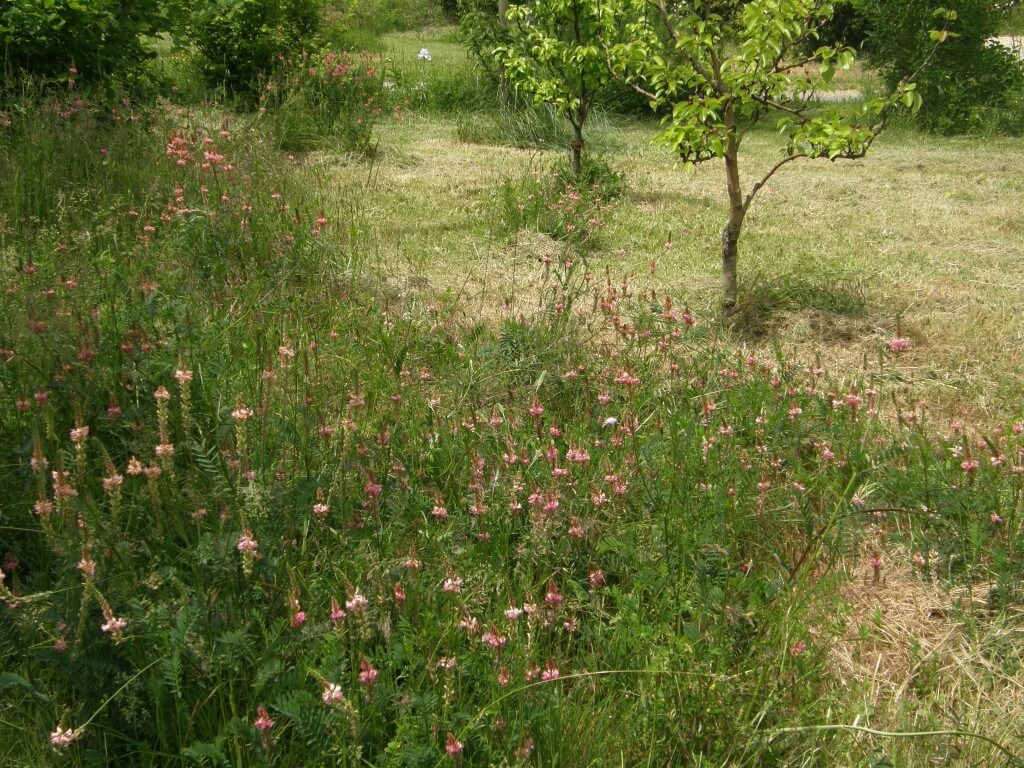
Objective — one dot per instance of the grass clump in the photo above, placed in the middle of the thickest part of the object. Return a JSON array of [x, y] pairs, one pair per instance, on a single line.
[[558, 204]]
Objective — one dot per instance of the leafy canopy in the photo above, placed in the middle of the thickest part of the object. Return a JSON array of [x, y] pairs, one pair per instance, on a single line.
[[706, 59]]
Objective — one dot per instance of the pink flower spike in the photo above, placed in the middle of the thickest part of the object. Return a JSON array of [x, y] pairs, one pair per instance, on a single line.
[[452, 745], [62, 736], [263, 722]]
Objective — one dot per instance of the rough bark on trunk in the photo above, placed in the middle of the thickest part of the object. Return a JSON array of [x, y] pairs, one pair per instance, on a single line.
[[577, 151], [731, 232]]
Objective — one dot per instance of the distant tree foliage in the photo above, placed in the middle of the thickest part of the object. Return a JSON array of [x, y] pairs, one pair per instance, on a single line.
[[95, 37], [242, 40], [970, 84]]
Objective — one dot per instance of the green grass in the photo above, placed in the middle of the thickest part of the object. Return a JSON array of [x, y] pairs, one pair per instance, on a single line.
[[437, 378]]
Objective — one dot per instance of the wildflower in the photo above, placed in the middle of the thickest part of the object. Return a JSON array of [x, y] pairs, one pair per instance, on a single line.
[[337, 614], [399, 592], [87, 566], [62, 736], [332, 694], [357, 603], [367, 673], [451, 745], [553, 597], [164, 450], [298, 618], [512, 613], [241, 413], [798, 648], [899, 344], [424, 55], [876, 567], [918, 560], [550, 671], [183, 376], [494, 638], [596, 578], [452, 585], [162, 394], [503, 676], [114, 626], [247, 545], [263, 722], [79, 435]]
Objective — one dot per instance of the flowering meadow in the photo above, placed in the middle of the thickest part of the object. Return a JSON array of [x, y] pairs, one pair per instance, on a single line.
[[259, 506]]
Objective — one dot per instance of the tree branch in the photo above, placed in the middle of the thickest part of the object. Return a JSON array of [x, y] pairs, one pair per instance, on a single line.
[[764, 180]]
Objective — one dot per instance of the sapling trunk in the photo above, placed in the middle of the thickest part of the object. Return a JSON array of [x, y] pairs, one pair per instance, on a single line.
[[577, 151], [731, 232], [503, 89]]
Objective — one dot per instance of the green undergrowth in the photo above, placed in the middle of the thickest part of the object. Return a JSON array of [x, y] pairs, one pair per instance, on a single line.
[[259, 509]]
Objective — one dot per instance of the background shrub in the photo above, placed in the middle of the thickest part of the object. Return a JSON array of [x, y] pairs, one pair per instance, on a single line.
[[99, 38], [970, 85], [242, 40]]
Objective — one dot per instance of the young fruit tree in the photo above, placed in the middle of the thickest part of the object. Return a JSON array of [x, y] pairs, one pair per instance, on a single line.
[[555, 53], [720, 67]]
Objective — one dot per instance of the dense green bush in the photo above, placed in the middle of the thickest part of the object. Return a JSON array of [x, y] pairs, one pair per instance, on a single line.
[[848, 25], [969, 85], [95, 38], [242, 40]]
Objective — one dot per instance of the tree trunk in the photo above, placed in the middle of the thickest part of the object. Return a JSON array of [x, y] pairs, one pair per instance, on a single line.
[[503, 90], [577, 151], [731, 232]]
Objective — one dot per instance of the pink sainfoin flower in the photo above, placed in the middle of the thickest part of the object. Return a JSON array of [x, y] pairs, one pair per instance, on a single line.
[[337, 614], [367, 673], [550, 671], [79, 435], [452, 745], [332, 694], [263, 722], [899, 344], [114, 626], [552, 597], [494, 638], [241, 413], [247, 545], [452, 584], [62, 737], [357, 603]]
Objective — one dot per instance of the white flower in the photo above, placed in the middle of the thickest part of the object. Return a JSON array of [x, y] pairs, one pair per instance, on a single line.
[[424, 55], [611, 421]]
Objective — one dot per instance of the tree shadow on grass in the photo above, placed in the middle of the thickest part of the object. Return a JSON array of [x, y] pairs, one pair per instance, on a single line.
[[767, 299]]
